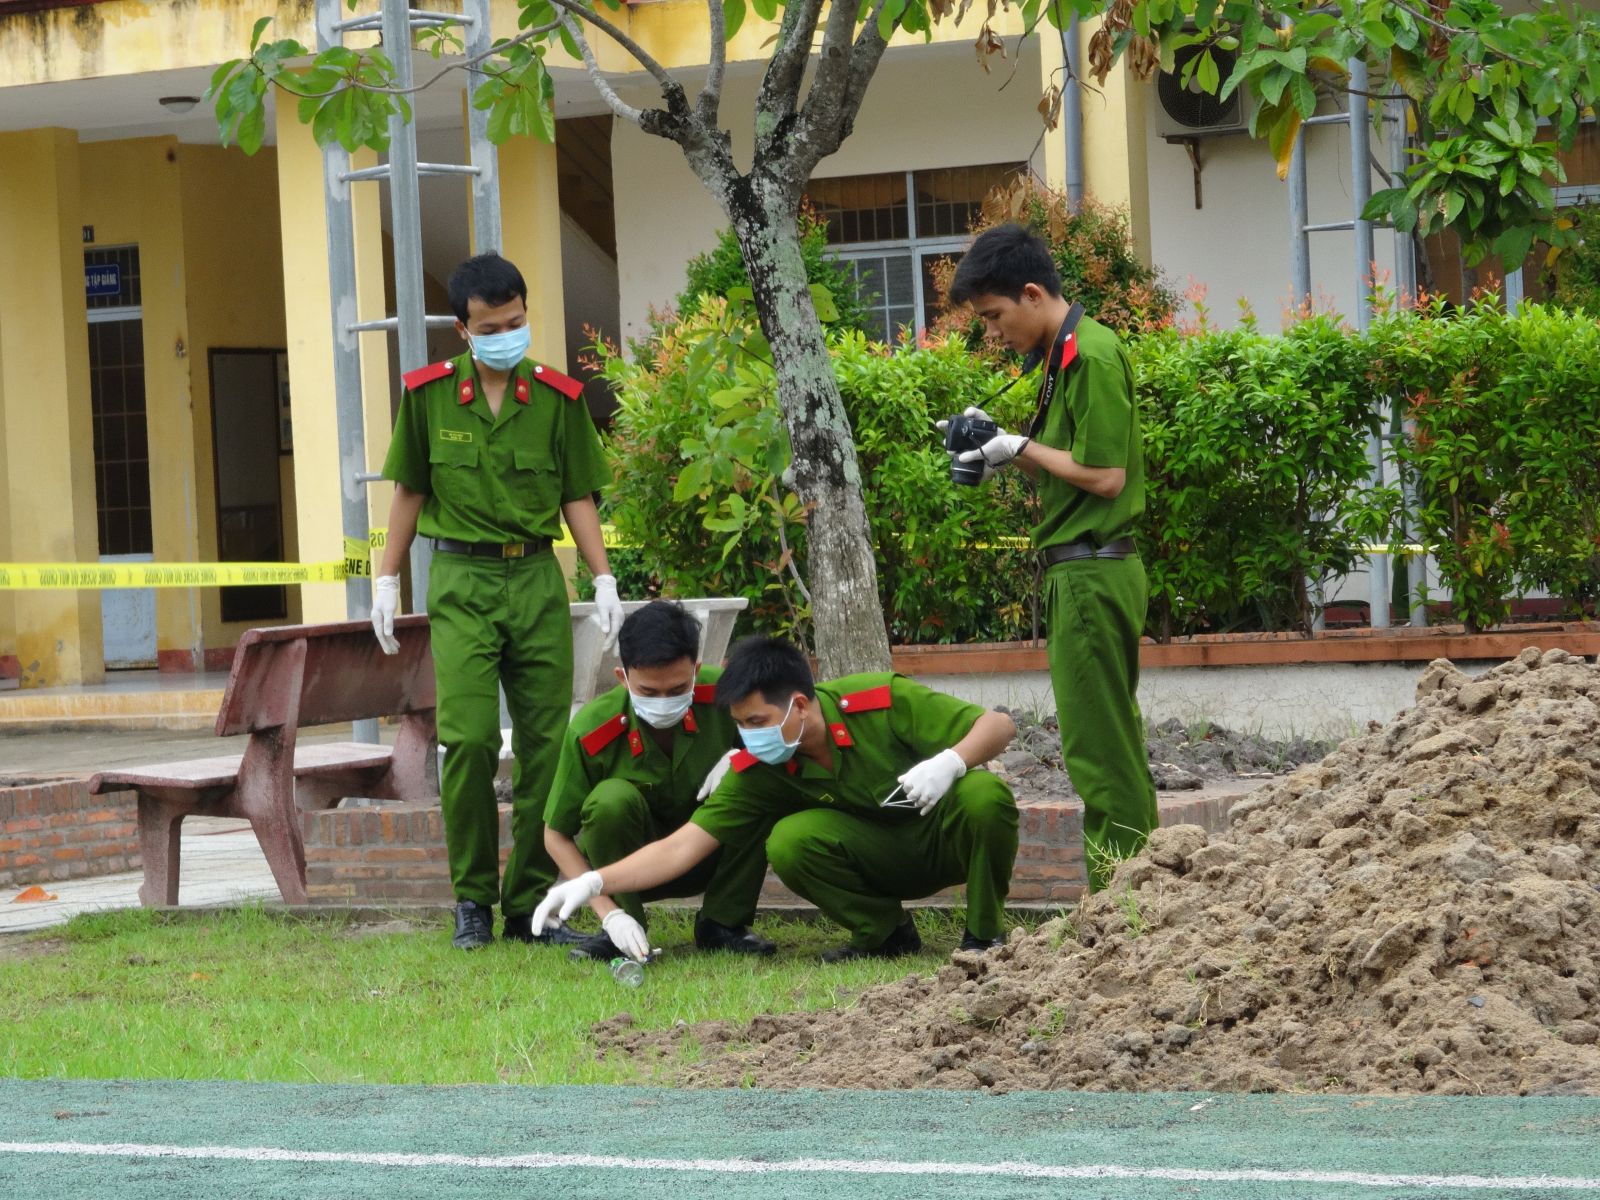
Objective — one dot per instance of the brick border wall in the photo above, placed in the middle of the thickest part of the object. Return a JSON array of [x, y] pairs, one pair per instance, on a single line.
[[396, 853], [53, 829]]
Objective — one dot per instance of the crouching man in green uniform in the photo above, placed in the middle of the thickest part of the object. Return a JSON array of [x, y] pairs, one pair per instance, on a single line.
[[867, 787], [636, 762], [1084, 449], [490, 452]]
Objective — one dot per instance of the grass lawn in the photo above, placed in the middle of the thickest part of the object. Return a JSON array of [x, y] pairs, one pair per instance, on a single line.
[[252, 994]]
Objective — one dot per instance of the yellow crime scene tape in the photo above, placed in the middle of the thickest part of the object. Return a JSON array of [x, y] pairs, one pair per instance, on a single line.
[[357, 562]]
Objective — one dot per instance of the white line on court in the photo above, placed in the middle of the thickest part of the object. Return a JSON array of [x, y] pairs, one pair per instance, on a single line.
[[835, 1166]]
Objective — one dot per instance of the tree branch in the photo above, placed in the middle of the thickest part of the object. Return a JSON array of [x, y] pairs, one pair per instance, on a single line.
[[711, 94], [466, 64], [780, 85], [602, 85], [670, 87], [830, 114]]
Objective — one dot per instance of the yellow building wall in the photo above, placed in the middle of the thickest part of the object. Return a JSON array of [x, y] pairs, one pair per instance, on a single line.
[[235, 301]]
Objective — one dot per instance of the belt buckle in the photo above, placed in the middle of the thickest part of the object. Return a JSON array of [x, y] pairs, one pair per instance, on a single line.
[[513, 550]]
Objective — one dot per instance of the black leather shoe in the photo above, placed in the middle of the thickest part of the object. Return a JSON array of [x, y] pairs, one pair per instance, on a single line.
[[474, 926], [977, 945], [903, 940], [520, 929], [736, 939], [598, 946]]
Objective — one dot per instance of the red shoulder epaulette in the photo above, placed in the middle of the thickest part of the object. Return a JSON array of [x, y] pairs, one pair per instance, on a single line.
[[705, 693], [427, 374], [1069, 351], [742, 760], [599, 738], [871, 700], [565, 384]]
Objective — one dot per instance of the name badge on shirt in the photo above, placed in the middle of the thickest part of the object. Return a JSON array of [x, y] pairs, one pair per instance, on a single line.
[[455, 435]]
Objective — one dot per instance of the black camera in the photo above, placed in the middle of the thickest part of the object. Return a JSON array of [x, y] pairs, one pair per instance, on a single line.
[[962, 433]]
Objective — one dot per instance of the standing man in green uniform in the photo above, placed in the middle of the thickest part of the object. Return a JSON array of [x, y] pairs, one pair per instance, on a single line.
[[1084, 449], [871, 784], [636, 762], [490, 452]]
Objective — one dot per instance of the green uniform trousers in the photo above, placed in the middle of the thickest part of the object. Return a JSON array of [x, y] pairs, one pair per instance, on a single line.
[[499, 622], [858, 870], [617, 821], [1095, 610]]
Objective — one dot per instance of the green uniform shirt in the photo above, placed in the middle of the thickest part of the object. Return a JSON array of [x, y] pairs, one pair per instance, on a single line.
[[880, 725], [488, 479], [1093, 416], [605, 740]]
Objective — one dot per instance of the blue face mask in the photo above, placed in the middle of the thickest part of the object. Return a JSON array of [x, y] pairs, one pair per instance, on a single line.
[[768, 744], [501, 351]]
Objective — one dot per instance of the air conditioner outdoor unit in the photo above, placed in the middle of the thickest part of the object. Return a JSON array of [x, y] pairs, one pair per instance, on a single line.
[[1188, 111]]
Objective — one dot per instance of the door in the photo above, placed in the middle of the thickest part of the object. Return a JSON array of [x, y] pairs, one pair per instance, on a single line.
[[121, 448], [247, 394]]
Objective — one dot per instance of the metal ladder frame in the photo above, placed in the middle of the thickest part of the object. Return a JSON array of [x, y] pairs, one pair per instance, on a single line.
[[396, 21], [1379, 581]]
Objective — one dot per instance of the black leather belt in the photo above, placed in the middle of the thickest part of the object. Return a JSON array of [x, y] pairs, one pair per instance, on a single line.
[[492, 549], [1072, 551]]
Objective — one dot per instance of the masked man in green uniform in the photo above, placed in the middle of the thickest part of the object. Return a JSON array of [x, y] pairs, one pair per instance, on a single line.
[[490, 452], [635, 763], [868, 788], [1084, 449]]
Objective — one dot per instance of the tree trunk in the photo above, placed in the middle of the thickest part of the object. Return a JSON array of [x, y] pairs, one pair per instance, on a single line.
[[840, 570]]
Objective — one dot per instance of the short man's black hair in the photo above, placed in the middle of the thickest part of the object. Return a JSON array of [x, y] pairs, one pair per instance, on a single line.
[[657, 635], [1001, 262], [485, 277], [771, 666]]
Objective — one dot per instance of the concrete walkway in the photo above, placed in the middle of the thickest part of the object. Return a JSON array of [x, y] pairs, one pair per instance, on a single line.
[[221, 862]]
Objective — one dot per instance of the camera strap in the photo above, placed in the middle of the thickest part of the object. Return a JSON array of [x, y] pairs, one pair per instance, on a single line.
[[1063, 353]]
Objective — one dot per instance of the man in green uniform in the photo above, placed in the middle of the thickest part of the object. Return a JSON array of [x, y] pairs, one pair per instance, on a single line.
[[1084, 449], [490, 452], [636, 762], [870, 784]]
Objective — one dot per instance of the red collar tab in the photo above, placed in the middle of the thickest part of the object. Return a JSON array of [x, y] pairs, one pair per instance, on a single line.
[[792, 765], [741, 761], [1069, 351], [688, 722], [705, 693], [598, 739], [521, 391], [565, 384], [427, 374], [635, 742], [466, 391], [872, 700], [841, 735]]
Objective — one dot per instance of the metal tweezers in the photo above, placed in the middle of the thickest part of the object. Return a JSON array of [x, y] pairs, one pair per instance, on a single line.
[[905, 801]]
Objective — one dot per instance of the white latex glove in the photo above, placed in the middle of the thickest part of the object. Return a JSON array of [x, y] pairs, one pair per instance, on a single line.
[[928, 781], [565, 898], [607, 609], [626, 934], [997, 451], [385, 604], [714, 776]]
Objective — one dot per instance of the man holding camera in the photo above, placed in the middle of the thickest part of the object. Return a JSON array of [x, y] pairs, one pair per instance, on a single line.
[[1083, 447]]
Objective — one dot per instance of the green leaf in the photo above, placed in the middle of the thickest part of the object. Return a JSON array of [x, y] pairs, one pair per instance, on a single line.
[[765, 9], [257, 30], [1378, 34], [732, 17], [1207, 73], [822, 300]]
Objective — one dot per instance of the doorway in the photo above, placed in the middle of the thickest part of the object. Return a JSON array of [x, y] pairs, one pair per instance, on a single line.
[[248, 389]]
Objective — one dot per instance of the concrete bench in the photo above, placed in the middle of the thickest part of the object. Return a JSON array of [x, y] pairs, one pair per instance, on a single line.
[[282, 680]]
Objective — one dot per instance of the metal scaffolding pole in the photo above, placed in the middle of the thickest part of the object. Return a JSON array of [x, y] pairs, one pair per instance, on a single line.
[[486, 233], [1379, 587], [1072, 113], [347, 392]]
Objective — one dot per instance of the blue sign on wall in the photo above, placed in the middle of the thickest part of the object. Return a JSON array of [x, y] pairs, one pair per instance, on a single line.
[[102, 279]]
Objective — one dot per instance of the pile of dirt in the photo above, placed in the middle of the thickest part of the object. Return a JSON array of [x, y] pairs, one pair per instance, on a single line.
[[1182, 757], [1420, 912]]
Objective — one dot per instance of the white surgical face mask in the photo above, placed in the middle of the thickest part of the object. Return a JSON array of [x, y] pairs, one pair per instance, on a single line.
[[661, 711]]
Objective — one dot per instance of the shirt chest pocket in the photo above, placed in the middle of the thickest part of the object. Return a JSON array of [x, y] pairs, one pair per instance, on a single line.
[[453, 464], [535, 481]]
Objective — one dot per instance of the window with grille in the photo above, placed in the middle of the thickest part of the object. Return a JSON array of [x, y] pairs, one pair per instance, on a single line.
[[890, 229]]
